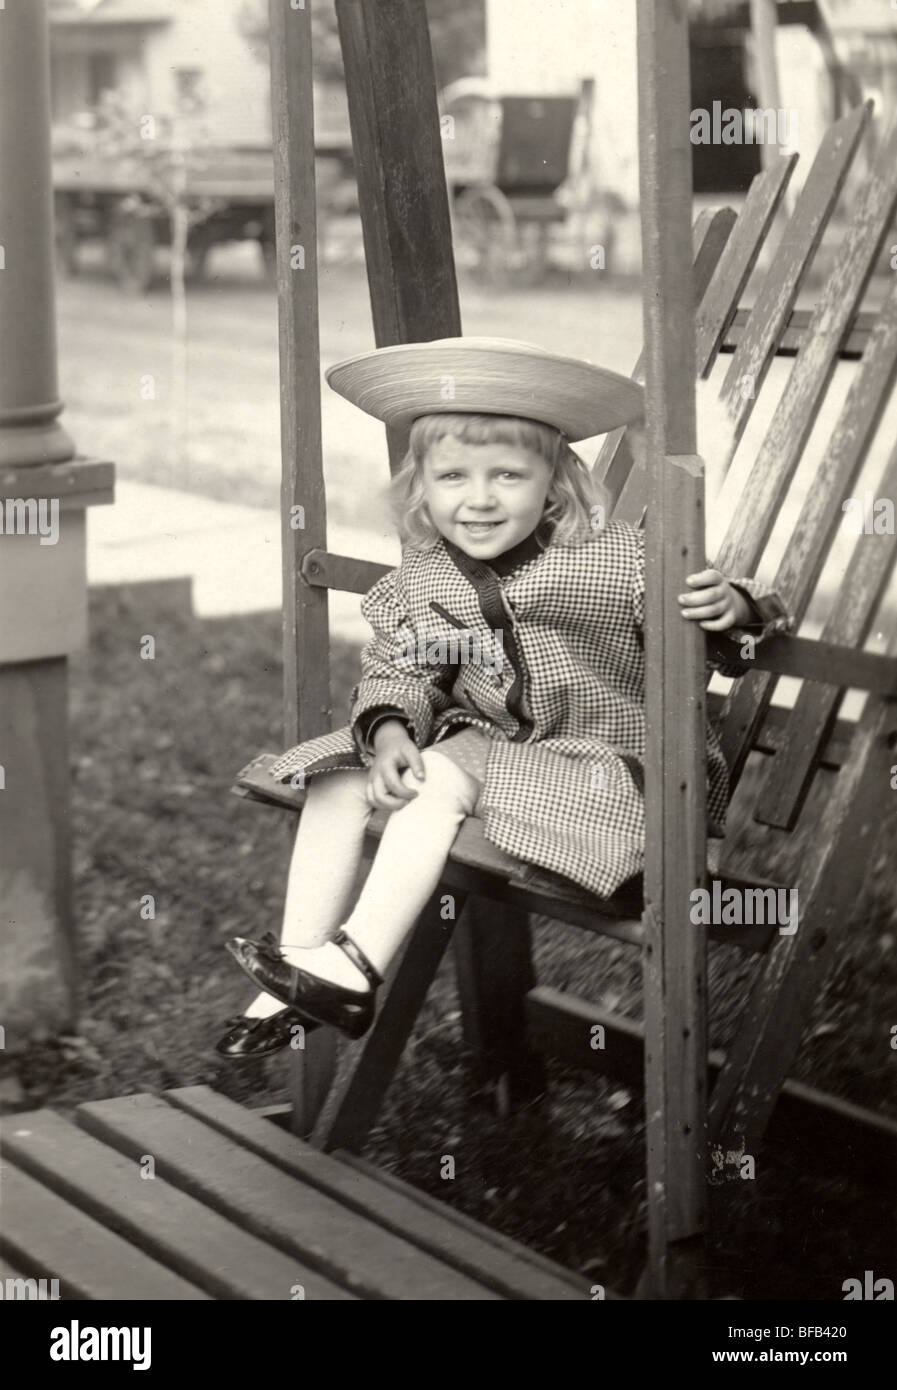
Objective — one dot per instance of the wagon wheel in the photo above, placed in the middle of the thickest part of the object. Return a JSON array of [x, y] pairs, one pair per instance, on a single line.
[[65, 236], [485, 234], [131, 246]]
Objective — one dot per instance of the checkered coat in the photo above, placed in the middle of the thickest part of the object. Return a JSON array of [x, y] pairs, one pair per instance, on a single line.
[[560, 691]]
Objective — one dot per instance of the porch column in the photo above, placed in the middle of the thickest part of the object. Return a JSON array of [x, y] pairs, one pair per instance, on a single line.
[[44, 490]]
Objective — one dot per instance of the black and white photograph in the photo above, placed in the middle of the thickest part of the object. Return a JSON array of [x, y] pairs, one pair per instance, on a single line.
[[448, 669]]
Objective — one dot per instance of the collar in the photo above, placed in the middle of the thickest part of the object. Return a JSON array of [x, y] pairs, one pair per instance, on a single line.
[[528, 549]]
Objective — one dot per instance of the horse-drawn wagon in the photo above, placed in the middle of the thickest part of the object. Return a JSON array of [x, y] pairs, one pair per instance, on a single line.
[[517, 168], [228, 194]]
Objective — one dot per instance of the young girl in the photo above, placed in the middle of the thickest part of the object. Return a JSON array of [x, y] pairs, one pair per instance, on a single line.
[[504, 679]]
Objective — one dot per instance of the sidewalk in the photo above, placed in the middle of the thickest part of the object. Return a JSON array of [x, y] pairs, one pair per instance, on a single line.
[[231, 553]]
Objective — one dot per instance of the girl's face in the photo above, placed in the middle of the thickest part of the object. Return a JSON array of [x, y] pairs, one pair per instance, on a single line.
[[484, 497]]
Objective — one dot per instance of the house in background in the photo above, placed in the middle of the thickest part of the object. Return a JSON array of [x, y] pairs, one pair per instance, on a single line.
[[160, 52]]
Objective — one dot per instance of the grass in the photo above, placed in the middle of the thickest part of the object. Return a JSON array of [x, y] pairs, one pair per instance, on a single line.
[[155, 747]]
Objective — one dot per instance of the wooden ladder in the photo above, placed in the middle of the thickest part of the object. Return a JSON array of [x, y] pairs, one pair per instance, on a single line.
[[832, 770]]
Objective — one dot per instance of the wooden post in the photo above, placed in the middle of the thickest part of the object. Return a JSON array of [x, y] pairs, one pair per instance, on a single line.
[[44, 492], [493, 953], [306, 637], [391, 86], [675, 949]]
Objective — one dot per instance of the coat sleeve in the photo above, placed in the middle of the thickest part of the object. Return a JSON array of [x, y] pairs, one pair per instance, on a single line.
[[769, 616], [392, 678]]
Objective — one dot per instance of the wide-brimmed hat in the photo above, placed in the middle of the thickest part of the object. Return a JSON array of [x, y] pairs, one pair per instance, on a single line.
[[492, 376]]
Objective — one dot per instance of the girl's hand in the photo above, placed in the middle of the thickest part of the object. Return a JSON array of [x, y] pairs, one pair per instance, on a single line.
[[714, 603], [394, 753]]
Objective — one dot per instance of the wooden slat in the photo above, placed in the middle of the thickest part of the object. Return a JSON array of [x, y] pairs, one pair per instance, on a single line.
[[771, 734], [795, 334], [614, 465], [343, 572], [811, 1120], [788, 983], [301, 1221], [738, 260], [167, 1225], [675, 764], [802, 236], [510, 1270], [796, 412], [306, 669], [78, 483], [366, 1067], [44, 1233], [850, 620], [402, 190], [815, 659], [819, 518], [306, 633]]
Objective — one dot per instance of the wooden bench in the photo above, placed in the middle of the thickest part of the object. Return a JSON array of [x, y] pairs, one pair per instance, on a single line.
[[189, 1196]]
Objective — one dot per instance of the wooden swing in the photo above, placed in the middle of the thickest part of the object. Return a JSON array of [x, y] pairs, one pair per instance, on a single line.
[[405, 217]]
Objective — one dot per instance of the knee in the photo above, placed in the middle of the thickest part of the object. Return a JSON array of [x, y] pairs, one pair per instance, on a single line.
[[445, 783], [344, 787]]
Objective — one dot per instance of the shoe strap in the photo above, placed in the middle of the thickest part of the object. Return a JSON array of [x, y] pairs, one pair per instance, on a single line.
[[358, 957]]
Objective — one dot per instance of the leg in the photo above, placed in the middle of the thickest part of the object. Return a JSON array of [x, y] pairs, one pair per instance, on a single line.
[[326, 856], [418, 838], [323, 866], [406, 871]]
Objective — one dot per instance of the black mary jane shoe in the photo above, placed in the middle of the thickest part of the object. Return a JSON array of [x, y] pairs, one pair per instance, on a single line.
[[349, 1010], [257, 1037]]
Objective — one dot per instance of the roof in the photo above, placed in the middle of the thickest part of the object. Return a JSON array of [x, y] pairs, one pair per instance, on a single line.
[[95, 13]]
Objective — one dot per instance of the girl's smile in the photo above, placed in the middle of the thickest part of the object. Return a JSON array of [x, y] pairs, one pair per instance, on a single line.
[[484, 497]]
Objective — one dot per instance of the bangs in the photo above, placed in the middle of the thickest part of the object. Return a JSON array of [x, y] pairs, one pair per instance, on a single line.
[[540, 439]]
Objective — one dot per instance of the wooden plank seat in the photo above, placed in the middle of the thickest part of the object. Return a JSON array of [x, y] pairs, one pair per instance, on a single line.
[[477, 866], [234, 1208]]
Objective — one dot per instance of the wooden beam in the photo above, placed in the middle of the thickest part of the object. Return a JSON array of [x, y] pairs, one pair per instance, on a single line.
[[322, 569], [402, 190], [306, 635], [306, 670], [795, 334], [811, 659], [495, 972], [739, 257], [623, 477], [773, 310], [675, 800], [563, 1025]]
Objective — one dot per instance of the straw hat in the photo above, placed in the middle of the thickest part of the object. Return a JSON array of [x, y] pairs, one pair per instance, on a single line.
[[493, 376]]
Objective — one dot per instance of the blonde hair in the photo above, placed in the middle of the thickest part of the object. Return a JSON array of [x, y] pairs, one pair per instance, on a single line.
[[573, 497]]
